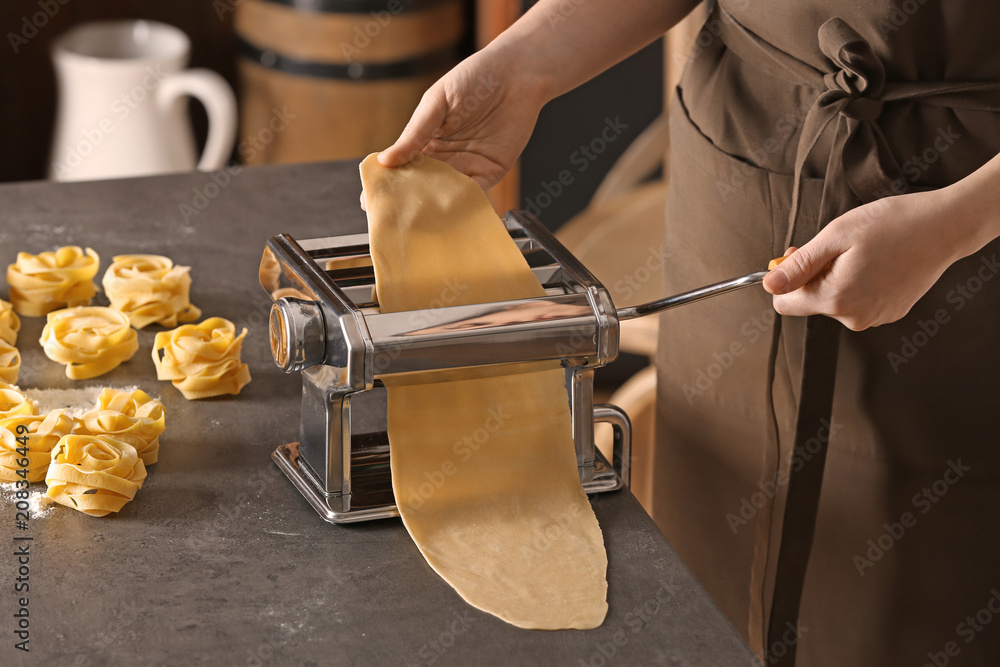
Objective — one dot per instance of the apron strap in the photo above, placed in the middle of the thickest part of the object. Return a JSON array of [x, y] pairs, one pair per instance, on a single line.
[[804, 485]]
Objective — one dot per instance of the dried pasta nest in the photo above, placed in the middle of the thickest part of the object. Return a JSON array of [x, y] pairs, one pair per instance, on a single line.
[[202, 360], [90, 340], [10, 358], [130, 416], [96, 474], [10, 363], [150, 290], [10, 323], [13, 402], [49, 281], [39, 435]]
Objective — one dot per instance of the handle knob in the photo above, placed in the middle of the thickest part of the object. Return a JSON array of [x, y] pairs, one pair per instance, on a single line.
[[298, 334]]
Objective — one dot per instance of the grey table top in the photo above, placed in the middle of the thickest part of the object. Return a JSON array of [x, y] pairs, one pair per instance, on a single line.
[[218, 560]]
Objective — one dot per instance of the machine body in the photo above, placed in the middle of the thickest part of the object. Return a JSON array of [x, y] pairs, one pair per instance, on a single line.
[[325, 324]]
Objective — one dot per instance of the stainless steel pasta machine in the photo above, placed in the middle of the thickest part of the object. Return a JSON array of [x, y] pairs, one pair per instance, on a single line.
[[325, 324]]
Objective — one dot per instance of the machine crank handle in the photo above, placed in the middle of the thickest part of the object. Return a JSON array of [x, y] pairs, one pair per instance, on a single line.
[[666, 303]]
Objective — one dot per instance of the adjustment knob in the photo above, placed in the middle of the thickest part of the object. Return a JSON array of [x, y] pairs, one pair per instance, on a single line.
[[298, 334]]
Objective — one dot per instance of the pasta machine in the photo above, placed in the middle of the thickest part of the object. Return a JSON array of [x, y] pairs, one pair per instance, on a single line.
[[325, 324]]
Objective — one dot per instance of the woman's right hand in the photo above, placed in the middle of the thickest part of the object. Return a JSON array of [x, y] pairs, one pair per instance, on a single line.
[[478, 118]]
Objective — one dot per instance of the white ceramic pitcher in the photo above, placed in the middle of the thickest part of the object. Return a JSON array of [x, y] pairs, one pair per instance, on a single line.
[[123, 103]]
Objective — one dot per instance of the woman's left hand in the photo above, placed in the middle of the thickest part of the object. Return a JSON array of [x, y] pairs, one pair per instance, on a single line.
[[869, 266]]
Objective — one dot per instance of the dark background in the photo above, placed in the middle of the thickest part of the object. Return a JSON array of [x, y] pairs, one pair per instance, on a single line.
[[631, 91]]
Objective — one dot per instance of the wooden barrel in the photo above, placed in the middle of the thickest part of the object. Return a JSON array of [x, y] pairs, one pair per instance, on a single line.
[[336, 79]]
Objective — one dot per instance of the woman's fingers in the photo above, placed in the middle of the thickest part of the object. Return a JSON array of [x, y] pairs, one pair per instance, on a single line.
[[800, 303], [424, 123], [797, 283], [426, 120]]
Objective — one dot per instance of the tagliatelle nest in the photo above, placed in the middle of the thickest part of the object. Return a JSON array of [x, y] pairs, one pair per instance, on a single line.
[[132, 417], [39, 434], [13, 402], [10, 363], [150, 289], [95, 474], [202, 360], [10, 323], [10, 358], [49, 281], [90, 340]]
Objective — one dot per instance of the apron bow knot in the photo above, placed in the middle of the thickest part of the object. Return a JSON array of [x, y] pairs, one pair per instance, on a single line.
[[857, 83], [860, 165]]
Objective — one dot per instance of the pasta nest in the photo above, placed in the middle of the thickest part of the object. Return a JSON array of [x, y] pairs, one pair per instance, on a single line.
[[129, 416], [202, 360], [90, 340], [95, 474], [49, 281], [10, 358], [10, 323], [13, 402], [41, 432], [10, 363], [150, 290]]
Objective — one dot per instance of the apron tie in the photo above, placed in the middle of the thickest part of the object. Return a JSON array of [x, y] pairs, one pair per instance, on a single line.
[[851, 96], [851, 102]]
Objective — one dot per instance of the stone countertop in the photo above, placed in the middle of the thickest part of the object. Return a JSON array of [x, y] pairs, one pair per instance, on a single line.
[[218, 560]]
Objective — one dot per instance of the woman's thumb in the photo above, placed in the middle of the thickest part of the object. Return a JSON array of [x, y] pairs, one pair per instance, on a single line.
[[426, 120], [800, 266]]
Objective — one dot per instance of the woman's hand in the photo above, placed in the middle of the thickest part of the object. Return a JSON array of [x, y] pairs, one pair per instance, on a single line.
[[477, 118], [869, 266]]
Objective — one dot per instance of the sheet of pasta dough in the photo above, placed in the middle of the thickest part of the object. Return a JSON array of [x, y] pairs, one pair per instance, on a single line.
[[483, 469]]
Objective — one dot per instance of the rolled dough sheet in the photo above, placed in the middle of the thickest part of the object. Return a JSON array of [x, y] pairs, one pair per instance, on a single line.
[[483, 469]]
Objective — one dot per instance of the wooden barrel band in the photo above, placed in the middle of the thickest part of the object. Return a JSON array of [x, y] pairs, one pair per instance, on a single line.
[[357, 6], [425, 63]]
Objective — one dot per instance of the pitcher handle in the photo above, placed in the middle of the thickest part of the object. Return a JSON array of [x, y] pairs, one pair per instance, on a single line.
[[220, 103]]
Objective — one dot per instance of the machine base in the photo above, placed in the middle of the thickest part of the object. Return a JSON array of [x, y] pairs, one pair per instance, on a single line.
[[371, 496], [365, 507]]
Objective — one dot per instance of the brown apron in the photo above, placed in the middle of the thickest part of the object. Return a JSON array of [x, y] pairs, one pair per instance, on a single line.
[[791, 112]]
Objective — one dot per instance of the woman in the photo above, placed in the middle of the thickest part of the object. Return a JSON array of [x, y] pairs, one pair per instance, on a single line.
[[867, 136]]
